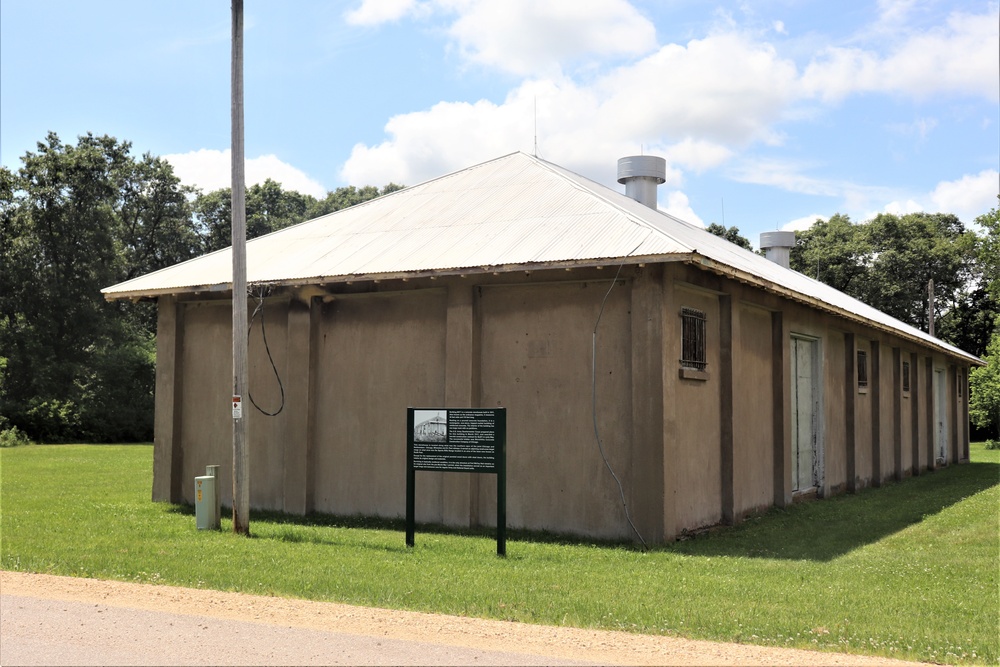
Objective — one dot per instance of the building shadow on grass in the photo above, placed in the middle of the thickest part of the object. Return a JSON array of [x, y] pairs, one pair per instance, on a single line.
[[826, 529], [284, 527]]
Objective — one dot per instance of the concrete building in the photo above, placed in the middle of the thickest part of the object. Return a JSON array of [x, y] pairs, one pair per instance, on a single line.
[[720, 382]]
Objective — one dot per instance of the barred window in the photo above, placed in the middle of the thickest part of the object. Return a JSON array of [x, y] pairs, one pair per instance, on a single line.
[[906, 376], [862, 368], [961, 381], [693, 339]]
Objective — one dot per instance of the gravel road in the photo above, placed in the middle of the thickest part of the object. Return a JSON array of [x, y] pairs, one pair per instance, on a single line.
[[48, 620]]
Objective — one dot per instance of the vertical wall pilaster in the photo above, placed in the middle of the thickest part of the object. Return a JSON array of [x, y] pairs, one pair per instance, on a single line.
[[728, 322], [168, 454], [929, 410], [952, 412], [963, 403], [668, 463], [850, 410], [874, 395], [647, 485], [915, 413], [297, 413], [897, 413], [780, 416]]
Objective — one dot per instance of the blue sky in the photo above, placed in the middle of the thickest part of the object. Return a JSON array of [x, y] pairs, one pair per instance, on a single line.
[[769, 113]]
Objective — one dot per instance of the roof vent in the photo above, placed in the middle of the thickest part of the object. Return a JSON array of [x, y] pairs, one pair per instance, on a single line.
[[777, 246], [641, 174]]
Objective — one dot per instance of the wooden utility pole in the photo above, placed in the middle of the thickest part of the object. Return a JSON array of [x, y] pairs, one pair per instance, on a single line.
[[241, 455], [930, 306]]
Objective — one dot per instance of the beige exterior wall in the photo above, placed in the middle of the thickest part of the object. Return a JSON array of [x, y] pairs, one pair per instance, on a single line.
[[536, 351], [376, 356], [753, 430], [863, 397], [695, 457], [689, 451]]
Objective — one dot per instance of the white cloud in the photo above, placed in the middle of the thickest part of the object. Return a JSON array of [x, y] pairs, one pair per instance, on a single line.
[[786, 175], [901, 208], [211, 170], [688, 102], [527, 36], [724, 87], [376, 12], [958, 57], [968, 197], [779, 27], [803, 223], [696, 155], [921, 127], [679, 207]]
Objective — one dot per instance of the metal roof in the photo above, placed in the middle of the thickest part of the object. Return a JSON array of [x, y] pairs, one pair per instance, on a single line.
[[517, 211]]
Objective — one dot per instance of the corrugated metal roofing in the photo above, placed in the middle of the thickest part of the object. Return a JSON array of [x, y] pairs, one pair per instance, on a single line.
[[515, 211]]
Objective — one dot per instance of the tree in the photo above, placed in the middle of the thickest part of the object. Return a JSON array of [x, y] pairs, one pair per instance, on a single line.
[[988, 250], [345, 197], [77, 219], [984, 383], [909, 251], [731, 234], [888, 262], [270, 208], [835, 252], [984, 388]]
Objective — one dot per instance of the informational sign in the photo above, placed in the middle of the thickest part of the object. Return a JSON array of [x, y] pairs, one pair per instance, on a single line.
[[457, 440], [237, 407]]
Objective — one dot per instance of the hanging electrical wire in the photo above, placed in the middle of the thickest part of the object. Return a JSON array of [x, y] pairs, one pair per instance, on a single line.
[[593, 400], [263, 331]]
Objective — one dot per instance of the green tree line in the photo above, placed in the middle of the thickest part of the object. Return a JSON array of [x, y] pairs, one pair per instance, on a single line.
[[79, 217]]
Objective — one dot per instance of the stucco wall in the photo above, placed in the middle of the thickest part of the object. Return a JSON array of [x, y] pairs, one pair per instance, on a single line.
[[690, 451], [376, 356], [753, 433], [535, 360], [695, 453]]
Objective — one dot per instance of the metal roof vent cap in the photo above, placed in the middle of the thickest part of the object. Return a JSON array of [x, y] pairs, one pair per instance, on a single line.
[[641, 174], [777, 246]]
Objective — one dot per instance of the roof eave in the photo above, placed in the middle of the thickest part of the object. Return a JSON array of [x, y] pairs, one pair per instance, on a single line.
[[596, 263], [742, 276]]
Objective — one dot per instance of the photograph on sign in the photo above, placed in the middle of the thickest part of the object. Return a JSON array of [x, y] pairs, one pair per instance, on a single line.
[[430, 426]]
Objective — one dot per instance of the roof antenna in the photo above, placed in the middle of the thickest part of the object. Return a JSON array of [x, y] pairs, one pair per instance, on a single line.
[[536, 125]]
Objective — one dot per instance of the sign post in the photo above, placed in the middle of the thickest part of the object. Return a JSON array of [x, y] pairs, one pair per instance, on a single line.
[[457, 440]]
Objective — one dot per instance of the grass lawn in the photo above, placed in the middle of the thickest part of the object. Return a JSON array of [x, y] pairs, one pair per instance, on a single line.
[[908, 571]]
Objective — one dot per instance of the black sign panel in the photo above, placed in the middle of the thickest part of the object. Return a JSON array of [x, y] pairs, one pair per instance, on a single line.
[[457, 440]]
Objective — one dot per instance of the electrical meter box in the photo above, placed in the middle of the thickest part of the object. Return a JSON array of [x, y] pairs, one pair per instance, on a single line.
[[205, 514]]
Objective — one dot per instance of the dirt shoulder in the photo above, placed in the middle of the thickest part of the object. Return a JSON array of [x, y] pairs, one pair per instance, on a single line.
[[556, 642]]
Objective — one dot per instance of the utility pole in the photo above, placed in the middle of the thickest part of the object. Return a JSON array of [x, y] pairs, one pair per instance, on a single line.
[[930, 306], [241, 455]]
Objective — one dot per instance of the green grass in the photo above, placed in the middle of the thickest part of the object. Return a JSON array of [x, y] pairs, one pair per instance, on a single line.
[[909, 570]]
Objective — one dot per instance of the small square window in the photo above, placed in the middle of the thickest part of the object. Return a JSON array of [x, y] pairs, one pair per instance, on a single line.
[[906, 376], [693, 339], [862, 369]]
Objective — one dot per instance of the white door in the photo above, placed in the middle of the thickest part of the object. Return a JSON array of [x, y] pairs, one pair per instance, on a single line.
[[805, 413], [941, 414]]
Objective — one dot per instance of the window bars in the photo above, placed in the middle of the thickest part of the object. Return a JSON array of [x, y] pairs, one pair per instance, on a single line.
[[693, 339]]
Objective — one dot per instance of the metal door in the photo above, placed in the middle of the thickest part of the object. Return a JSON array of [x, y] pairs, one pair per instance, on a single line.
[[805, 414], [941, 414]]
